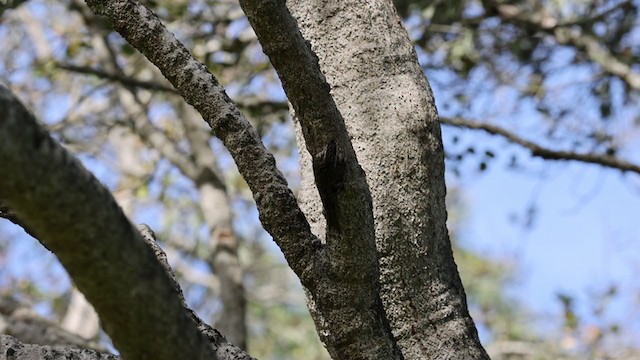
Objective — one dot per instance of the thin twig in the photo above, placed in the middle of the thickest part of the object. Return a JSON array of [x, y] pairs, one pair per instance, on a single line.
[[125, 80], [541, 151]]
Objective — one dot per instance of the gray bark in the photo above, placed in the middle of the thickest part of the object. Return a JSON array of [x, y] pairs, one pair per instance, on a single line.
[[384, 107], [388, 107], [12, 349], [199, 166], [345, 304], [279, 211], [76, 217]]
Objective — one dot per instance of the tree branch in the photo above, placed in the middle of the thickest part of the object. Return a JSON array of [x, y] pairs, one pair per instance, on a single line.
[[125, 80], [76, 217], [352, 268], [251, 105], [7, 213], [199, 166], [543, 152], [13, 349], [45, 333], [279, 211], [224, 350], [27, 326]]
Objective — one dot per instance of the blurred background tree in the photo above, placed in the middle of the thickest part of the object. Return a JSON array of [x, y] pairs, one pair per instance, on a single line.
[[512, 69]]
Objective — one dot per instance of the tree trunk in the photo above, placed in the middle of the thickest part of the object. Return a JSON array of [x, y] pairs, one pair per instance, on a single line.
[[390, 113], [394, 218]]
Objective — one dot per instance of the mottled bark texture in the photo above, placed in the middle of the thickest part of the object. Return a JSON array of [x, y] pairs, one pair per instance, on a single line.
[[67, 209], [389, 111], [345, 286], [199, 167], [345, 305], [12, 349], [383, 104], [278, 207]]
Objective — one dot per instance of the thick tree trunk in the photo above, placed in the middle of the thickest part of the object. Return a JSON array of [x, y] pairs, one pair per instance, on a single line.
[[389, 110], [343, 294]]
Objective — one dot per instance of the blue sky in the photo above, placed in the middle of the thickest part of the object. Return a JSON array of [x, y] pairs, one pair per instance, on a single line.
[[584, 236]]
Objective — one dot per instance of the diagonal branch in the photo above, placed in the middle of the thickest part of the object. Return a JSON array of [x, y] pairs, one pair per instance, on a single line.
[[543, 152], [123, 79], [355, 274], [224, 349], [348, 210], [75, 216], [199, 166], [279, 211], [7, 213]]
